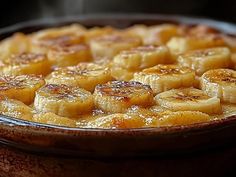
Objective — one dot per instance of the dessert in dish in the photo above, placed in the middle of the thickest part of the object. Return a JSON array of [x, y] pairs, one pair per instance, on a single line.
[[103, 77]]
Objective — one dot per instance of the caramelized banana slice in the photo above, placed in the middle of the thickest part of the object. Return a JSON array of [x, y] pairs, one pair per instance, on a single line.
[[16, 44], [189, 99], [63, 100], [68, 55], [15, 108], [169, 118], [97, 32], [142, 57], [85, 75], [117, 121], [178, 45], [166, 77], [109, 45], [26, 63], [157, 117], [45, 39], [160, 34], [204, 60], [117, 96], [220, 83], [53, 119], [20, 87]]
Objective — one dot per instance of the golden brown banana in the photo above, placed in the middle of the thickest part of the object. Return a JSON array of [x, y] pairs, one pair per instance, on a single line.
[[166, 77], [15, 108], [109, 45], [53, 119], [84, 75], [179, 45], [206, 59], [189, 99], [220, 83], [26, 63], [142, 57], [20, 87], [68, 55], [118, 96], [63, 100]]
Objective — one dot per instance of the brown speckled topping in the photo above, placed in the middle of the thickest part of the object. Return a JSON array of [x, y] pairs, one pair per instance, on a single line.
[[18, 82], [166, 70], [26, 58], [122, 89], [219, 75]]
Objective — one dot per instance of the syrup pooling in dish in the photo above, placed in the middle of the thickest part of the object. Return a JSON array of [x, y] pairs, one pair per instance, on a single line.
[[103, 77]]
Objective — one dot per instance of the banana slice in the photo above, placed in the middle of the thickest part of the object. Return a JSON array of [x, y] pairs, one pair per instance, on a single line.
[[166, 77], [160, 34], [189, 99], [117, 121], [158, 116], [142, 57], [178, 45], [26, 63], [53, 119], [68, 55], [97, 32], [120, 73], [220, 83], [109, 45], [63, 100], [169, 118], [15, 108], [42, 40], [20, 87], [139, 30], [16, 44], [204, 60], [118, 96], [84, 75]]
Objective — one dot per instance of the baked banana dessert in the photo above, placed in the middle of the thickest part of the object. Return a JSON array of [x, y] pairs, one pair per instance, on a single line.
[[105, 77]]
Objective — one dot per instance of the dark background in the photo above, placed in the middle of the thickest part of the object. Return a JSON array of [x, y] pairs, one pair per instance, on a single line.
[[12, 11]]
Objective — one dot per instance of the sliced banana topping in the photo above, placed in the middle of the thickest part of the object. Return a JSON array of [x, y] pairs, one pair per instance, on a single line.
[[63, 100], [117, 121], [206, 59], [157, 116], [84, 75], [142, 57], [166, 77], [220, 83], [179, 45], [20, 87], [95, 32], [118, 96], [16, 44], [45, 39], [53, 119], [169, 118], [109, 45], [70, 54], [26, 63], [160, 34], [15, 108], [189, 99]]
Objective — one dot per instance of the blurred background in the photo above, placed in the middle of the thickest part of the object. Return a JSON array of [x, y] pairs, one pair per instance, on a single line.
[[13, 11]]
